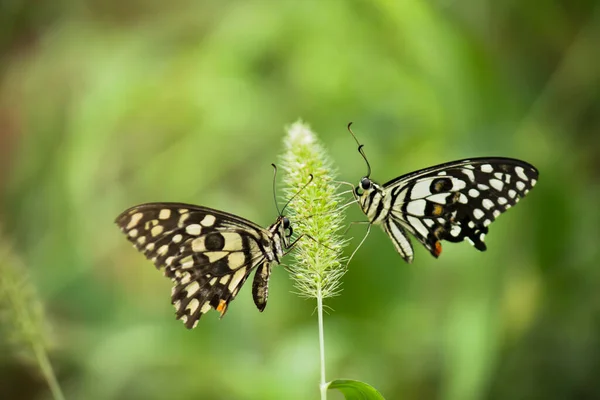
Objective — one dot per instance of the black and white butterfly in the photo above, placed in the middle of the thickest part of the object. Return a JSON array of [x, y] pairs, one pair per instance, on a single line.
[[453, 201], [207, 253]]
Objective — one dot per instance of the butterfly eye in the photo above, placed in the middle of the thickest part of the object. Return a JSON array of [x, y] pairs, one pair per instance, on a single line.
[[365, 183], [287, 226]]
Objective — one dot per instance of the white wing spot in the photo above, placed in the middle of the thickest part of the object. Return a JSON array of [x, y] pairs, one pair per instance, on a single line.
[[502, 201], [165, 213], [496, 213], [520, 185], [208, 220], [477, 213], [481, 186], [192, 288], [512, 193], [533, 182], [471, 224], [193, 229], [135, 218], [169, 260], [213, 281], [187, 262], [455, 231], [418, 226], [428, 222], [133, 233], [177, 238], [237, 277], [233, 241], [499, 175], [440, 198], [157, 230], [469, 173], [497, 184], [486, 168], [487, 203], [416, 207], [521, 173], [487, 222], [224, 279], [214, 256], [205, 307], [473, 192], [458, 184], [141, 240], [186, 277], [162, 250], [150, 246], [463, 199], [182, 219], [421, 189], [236, 260], [198, 245], [193, 306]]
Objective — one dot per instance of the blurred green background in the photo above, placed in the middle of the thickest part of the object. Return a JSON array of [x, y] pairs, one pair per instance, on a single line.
[[106, 104]]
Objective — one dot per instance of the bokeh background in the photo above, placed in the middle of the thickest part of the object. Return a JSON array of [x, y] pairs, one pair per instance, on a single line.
[[106, 104]]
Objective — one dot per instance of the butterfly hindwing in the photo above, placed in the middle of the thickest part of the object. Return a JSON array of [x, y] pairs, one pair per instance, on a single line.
[[208, 254]]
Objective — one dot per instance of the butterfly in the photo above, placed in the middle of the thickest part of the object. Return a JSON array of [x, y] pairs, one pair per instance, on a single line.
[[207, 253], [453, 201]]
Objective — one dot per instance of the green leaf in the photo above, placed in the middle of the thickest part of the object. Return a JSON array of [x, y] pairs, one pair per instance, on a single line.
[[355, 390]]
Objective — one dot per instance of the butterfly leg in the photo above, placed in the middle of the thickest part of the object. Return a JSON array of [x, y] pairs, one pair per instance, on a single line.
[[354, 223], [360, 244]]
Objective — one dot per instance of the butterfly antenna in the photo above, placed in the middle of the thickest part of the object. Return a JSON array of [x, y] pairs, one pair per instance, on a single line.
[[274, 195], [360, 150], [310, 178]]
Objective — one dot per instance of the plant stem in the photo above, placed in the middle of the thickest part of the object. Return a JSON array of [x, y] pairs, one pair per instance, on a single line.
[[323, 384], [48, 371]]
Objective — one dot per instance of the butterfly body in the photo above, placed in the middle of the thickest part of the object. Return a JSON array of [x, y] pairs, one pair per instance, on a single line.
[[207, 253], [454, 201]]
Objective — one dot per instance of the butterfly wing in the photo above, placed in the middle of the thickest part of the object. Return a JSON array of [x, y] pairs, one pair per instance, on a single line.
[[208, 254], [455, 201]]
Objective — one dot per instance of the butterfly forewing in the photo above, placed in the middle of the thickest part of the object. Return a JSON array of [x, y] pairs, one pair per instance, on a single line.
[[452, 201], [208, 254]]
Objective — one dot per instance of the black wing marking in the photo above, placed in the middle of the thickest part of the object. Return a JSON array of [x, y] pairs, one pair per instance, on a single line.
[[207, 253], [458, 200]]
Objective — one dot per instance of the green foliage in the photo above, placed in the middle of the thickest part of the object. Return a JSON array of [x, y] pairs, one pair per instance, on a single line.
[[355, 390], [106, 104]]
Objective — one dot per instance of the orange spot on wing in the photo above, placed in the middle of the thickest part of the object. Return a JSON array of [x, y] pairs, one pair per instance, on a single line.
[[222, 307], [437, 249], [437, 209]]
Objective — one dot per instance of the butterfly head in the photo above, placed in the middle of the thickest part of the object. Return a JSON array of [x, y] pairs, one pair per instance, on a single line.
[[365, 187], [286, 230], [282, 232]]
